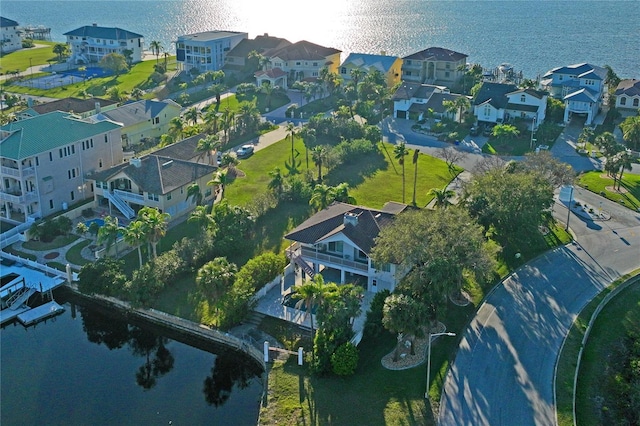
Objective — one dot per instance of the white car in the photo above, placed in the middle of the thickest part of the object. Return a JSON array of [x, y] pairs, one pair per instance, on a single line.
[[244, 151]]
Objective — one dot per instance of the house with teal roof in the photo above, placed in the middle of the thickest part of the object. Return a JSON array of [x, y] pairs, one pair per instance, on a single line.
[[89, 44], [389, 66], [45, 161]]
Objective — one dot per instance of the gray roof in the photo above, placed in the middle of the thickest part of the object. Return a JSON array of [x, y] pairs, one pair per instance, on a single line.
[[437, 54], [436, 100], [36, 135], [583, 70], [6, 22], [302, 50], [628, 87], [209, 35], [408, 90], [71, 104], [182, 150], [260, 44], [137, 112], [156, 174], [330, 221], [382, 63], [494, 94], [103, 32]]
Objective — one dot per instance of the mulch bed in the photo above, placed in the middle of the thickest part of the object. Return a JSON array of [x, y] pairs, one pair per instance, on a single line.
[[51, 255], [405, 359]]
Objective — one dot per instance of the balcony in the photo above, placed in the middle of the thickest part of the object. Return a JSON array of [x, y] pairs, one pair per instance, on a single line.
[[311, 254], [19, 199], [130, 196], [26, 171]]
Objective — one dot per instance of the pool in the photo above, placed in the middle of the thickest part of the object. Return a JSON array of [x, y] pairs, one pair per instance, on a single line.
[[289, 301], [99, 222], [89, 72]]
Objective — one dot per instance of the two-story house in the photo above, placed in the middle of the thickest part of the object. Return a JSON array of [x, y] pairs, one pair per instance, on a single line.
[[142, 119], [152, 181], [10, 38], [206, 51], [299, 61], [410, 99], [628, 95], [89, 44], [237, 57], [82, 108], [582, 88], [45, 160], [434, 65], [338, 241], [388, 66], [501, 103]]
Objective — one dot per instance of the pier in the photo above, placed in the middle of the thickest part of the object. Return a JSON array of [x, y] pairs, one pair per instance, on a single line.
[[39, 32]]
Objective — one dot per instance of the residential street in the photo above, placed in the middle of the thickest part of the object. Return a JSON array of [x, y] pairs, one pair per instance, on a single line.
[[503, 373]]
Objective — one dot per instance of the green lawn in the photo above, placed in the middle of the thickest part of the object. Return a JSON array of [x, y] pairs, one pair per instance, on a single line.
[[59, 241], [600, 183], [74, 256], [618, 317], [19, 59]]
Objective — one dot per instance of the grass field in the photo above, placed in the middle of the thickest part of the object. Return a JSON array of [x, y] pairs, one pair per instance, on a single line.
[[600, 183], [22, 59]]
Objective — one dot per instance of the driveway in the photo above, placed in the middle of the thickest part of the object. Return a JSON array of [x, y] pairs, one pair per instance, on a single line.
[[503, 373]]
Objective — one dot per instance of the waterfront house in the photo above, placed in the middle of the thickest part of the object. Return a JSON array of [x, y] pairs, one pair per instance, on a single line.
[[89, 44], [388, 66], [628, 95], [206, 51], [297, 62], [502, 103], [142, 119], [582, 88], [410, 99], [45, 160], [337, 241], [10, 38], [434, 65], [82, 108], [153, 181], [237, 57]]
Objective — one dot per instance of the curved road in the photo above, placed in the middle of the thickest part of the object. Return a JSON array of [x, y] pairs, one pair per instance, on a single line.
[[504, 370]]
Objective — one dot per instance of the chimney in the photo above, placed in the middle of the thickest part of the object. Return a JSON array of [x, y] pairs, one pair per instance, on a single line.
[[350, 218], [97, 107], [94, 24]]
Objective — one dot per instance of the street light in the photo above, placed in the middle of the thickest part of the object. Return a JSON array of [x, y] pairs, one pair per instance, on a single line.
[[426, 392], [569, 208], [533, 126]]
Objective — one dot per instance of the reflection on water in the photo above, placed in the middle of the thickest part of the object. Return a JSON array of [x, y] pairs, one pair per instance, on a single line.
[[94, 368]]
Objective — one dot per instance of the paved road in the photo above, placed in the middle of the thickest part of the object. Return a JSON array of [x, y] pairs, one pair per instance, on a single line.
[[504, 370]]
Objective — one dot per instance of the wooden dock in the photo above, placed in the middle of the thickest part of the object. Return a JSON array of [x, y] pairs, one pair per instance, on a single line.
[[7, 315], [40, 313]]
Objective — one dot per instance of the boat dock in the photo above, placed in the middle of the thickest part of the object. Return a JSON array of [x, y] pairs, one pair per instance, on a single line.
[[42, 312]]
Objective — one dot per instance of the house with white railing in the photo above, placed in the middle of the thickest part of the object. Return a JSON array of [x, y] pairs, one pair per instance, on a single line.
[[10, 37], [89, 44], [337, 242]]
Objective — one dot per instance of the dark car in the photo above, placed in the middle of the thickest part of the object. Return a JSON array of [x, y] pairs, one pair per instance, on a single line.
[[488, 131], [244, 151]]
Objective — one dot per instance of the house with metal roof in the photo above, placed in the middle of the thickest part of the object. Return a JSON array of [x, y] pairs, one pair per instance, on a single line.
[[338, 240], [206, 51], [435, 65], [45, 161], [582, 87], [152, 181], [628, 95], [299, 61], [142, 119], [389, 66], [89, 44], [10, 37], [501, 103]]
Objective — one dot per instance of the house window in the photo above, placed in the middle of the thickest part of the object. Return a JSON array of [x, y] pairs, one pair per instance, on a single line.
[[168, 197], [73, 196], [343, 70], [448, 66], [50, 156], [100, 163], [315, 64], [207, 193], [37, 161], [156, 120], [446, 74], [50, 204], [623, 101], [153, 197], [106, 139], [374, 283], [408, 62], [523, 98], [636, 102], [487, 110], [298, 63], [361, 255], [336, 246]]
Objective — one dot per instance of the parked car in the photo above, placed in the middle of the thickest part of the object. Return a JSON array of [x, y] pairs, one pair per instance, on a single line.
[[488, 131], [474, 131], [244, 151]]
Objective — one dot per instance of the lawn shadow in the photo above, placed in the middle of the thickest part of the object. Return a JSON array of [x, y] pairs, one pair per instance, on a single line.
[[356, 171], [271, 226]]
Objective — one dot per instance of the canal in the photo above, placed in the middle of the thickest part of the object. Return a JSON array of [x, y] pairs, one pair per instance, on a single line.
[[91, 366]]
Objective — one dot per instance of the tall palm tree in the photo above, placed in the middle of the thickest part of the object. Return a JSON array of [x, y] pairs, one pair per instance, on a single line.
[[607, 143], [416, 154], [322, 196], [155, 226], [108, 233], [624, 160], [220, 180], [462, 104], [214, 279], [442, 196], [400, 151], [201, 216], [176, 127], [267, 89], [248, 117], [631, 131], [356, 75], [211, 120], [318, 155], [156, 47], [311, 295], [135, 235], [192, 115], [207, 145], [194, 193], [308, 138], [226, 123]]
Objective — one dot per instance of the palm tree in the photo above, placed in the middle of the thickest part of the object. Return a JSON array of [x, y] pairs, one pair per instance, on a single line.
[[322, 196], [134, 235], [207, 145], [450, 107], [462, 104], [176, 127], [192, 115], [310, 295], [220, 180], [503, 132], [108, 233], [226, 123], [201, 216], [356, 74], [156, 47], [155, 226], [416, 154], [624, 161], [211, 119], [308, 138], [194, 193], [60, 49], [137, 93], [318, 155], [608, 145], [341, 193], [215, 278], [631, 131], [248, 117], [442, 196], [267, 89], [277, 182], [400, 151]]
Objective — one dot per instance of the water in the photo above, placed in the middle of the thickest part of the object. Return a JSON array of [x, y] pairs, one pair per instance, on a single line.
[[534, 36], [99, 370]]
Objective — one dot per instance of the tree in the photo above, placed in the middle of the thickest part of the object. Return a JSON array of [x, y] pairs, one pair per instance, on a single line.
[[214, 279], [442, 196], [217, 90], [192, 115], [504, 132], [612, 80], [586, 136], [108, 233], [219, 180], [201, 216], [309, 295], [137, 93], [622, 161], [309, 139], [341, 193], [267, 89], [248, 117], [345, 359], [402, 314], [292, 130], [321, 197], [400, 151], [416, 154], [207, 146], [155, 226], [128, 56], [194, 193], [105, 276], [318, 155], [607, 143], [176, 127], [452, 157], [631, 132], [60, 49], [114, 62], [115, 94], [555, 171], [156, 47], [135, 235]]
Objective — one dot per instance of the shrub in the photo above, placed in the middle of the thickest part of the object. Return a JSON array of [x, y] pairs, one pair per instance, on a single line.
[[345, 359], [373, 325], [157, 77], [103, 277], [260, 270]]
